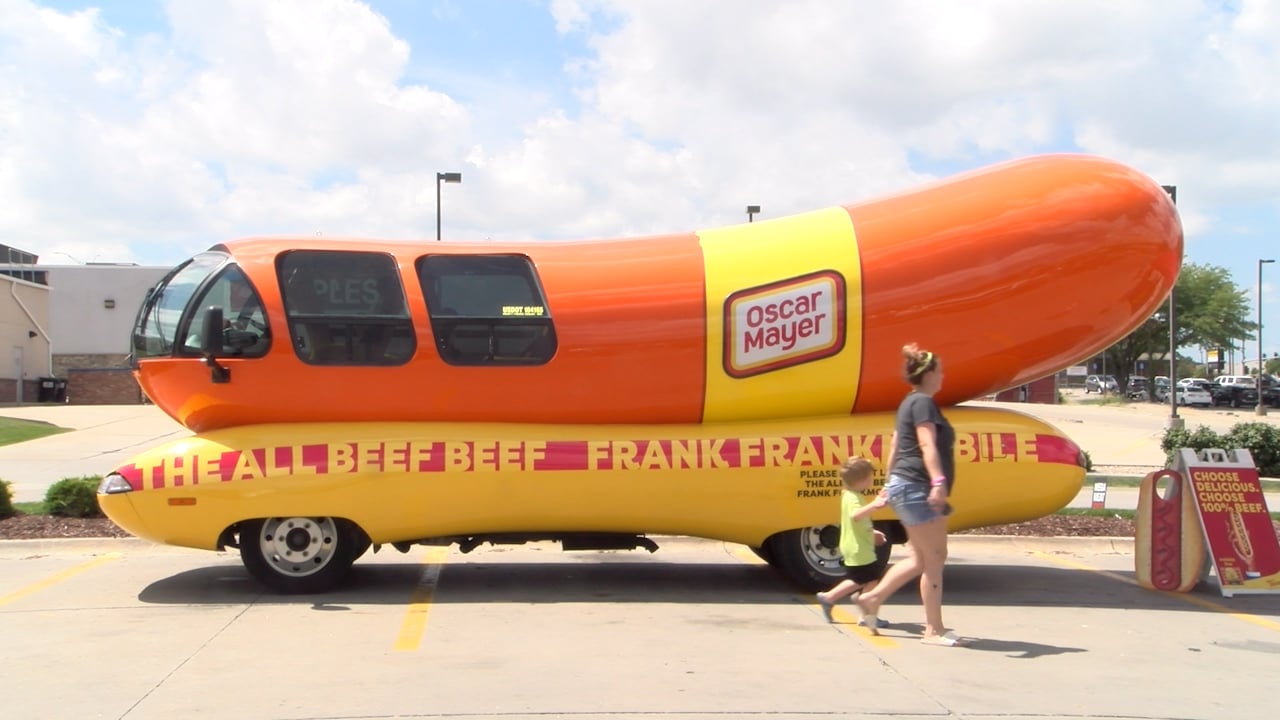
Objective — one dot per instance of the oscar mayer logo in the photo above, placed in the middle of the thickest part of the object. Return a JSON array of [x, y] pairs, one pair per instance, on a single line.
[[784, 323]]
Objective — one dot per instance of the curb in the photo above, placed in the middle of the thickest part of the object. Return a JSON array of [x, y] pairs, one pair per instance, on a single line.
[[1095, 545]]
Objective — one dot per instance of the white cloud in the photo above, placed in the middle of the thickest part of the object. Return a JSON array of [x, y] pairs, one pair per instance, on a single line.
[[245, 117]]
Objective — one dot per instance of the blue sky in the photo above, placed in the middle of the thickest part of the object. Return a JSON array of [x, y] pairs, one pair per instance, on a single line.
[[146, 130]]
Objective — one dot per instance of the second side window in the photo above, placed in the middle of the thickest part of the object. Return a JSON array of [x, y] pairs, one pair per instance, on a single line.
[[346, 308], [487, 309]]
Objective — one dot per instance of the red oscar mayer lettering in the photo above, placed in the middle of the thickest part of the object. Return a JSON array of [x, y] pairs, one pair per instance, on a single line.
[[784, 324]]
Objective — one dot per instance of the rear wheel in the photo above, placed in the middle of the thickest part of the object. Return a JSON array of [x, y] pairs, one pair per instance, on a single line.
[[300, 554], [810, 557], [762, 552]]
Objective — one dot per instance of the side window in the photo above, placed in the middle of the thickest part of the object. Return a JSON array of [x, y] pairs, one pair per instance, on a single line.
[[346, 308], [245, 332], [487, 309]]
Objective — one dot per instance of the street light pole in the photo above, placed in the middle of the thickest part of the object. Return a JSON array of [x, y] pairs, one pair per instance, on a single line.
[[1261, 409], [1175, 422], [752, 210], [443, 177]]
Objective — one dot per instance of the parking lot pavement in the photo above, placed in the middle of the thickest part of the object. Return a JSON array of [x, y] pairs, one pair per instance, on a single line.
[[699, 630]]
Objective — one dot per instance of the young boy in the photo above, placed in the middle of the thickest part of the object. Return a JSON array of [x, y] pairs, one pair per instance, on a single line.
[[857, 538]]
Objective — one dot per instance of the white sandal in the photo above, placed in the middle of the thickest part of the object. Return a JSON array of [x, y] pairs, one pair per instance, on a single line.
[[947, 639]]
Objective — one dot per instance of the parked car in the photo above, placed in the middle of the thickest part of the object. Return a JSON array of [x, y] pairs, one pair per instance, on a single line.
[[1161, 384], [1101, 384], [1138, 389], [1196, 382], [1234, 395], [1236, 381], [1270, 391], [1193, 395]]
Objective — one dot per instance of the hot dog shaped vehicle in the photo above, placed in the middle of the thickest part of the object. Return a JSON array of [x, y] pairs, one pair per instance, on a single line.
[[297, 352]]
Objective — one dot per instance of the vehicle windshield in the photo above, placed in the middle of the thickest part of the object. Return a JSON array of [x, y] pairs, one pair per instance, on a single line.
[[155, 331]]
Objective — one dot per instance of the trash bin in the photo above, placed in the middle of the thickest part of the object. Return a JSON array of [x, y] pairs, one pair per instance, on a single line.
[[46, 391], [59, 390]]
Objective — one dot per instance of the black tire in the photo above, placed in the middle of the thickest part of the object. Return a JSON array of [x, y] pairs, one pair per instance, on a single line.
[[808, 557], [300, 554], [762, 552]]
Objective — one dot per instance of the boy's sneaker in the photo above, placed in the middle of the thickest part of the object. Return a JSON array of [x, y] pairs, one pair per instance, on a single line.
[[826, 607]]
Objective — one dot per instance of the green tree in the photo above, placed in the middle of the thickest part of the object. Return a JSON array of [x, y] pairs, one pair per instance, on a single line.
[[1211, 312]]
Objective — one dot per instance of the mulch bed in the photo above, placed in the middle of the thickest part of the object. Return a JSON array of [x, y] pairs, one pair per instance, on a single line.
[[31, 527]]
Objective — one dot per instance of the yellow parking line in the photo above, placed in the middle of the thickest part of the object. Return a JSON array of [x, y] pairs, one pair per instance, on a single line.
[[845, 621], [55, 579], [415, 616], [1185, 597]]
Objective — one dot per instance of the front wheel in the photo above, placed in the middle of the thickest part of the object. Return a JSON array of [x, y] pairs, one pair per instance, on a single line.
[[300, 554]]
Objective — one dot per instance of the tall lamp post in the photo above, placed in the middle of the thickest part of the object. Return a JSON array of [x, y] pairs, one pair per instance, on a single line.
[[1175, 422], [1261, 409], [443, 177], [752, 210]]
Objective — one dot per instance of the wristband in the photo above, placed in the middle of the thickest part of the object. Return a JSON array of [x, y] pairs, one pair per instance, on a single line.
[[938, 481]]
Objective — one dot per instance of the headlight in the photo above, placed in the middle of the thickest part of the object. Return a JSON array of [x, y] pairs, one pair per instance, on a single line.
[[114, 484]]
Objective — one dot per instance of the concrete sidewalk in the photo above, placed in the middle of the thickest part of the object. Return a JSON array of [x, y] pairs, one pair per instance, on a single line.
[[1126, 498], [102, 438]]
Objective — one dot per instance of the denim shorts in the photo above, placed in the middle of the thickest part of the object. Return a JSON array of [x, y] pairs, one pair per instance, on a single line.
[[910, 501]]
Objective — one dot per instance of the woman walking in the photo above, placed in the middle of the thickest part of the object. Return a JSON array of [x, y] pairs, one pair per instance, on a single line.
[[921, 468]]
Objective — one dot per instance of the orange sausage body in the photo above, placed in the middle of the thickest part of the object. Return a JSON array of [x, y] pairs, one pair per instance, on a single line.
[[1009, 273]]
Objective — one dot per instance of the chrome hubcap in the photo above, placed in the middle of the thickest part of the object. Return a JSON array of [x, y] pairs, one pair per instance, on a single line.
[[297, 547]]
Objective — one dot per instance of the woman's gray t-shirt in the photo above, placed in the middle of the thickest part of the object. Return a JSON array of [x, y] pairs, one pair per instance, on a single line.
[[908, 462]]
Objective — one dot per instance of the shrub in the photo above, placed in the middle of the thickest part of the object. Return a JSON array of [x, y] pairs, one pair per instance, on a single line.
[[1199, 439], [6, 500], [74, 497], [1263, 442], [1260, 439]]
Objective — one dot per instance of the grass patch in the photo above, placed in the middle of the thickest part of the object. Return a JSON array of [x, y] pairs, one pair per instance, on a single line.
[[1129, 481], [13, 430], [1097, 512], [1113, 512], [1104, 400], [30, 508]]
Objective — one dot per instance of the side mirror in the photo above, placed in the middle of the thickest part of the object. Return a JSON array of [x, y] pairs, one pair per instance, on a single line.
[[211, 333]]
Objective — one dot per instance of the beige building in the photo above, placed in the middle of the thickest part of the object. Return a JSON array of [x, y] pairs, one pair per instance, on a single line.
[[67, 327]]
